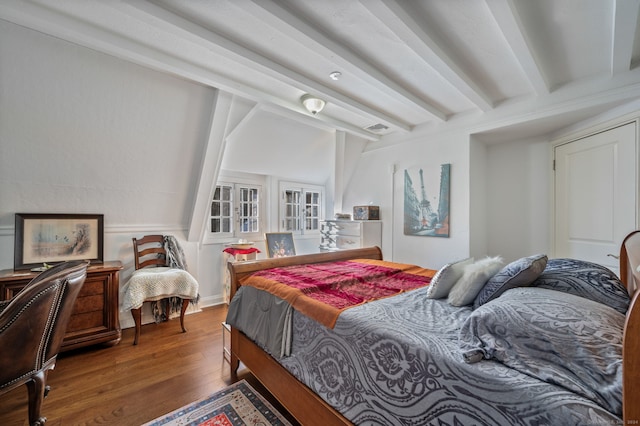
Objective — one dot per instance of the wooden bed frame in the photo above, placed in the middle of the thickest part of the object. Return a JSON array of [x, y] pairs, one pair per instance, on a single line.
[[309, 409]]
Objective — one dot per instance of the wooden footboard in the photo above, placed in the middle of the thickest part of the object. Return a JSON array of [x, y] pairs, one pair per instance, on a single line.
[[631, 364], [630, 275], [300, 401]]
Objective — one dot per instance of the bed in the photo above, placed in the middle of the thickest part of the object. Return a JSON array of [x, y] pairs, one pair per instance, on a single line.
[[478, 386]]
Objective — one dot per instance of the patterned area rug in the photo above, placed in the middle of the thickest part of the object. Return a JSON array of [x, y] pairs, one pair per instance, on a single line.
[[235, 405]]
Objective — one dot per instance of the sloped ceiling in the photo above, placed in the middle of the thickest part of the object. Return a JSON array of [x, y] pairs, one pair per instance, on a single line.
[[276, 146], [405, 65]]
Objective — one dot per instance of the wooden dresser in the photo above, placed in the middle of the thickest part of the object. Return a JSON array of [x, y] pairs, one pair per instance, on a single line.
[[95, 316]]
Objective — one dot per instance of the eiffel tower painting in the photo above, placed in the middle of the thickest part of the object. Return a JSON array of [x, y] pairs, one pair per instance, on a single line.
[[426, 201]]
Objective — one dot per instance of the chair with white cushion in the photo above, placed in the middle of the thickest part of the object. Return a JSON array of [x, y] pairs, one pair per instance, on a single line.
[[157, 278]]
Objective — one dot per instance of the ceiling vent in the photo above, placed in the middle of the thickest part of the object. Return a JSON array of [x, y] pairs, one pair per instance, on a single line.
[[377, 128]]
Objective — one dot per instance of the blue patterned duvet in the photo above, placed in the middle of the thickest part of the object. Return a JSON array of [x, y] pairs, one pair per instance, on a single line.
[[399, 361]]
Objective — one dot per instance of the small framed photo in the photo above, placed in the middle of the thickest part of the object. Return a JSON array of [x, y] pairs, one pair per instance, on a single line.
[[52, 238], [280, 244], [366, 212]]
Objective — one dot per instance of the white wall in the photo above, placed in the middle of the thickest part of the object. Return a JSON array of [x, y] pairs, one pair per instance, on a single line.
[[373, 182], [501, 194], [518, 198], [75, 123], [276, 146], [520, 187], [478, 194], [84, 132]]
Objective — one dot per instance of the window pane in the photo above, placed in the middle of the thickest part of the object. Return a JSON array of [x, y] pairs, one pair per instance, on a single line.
[[249, 209], [221, 212], [312, 210], [250, 225], [226, 193], [292, 209]]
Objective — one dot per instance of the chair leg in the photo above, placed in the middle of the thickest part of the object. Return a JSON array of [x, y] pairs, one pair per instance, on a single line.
[[137, 319], [167, 308], [185, 305], [36, 388]]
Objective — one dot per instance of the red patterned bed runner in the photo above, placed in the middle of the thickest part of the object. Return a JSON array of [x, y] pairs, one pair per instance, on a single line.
[[323, 290]]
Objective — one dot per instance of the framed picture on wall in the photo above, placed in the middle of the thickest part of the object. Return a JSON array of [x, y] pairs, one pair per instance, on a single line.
[[280, 244], [426, 201], [51, 238]]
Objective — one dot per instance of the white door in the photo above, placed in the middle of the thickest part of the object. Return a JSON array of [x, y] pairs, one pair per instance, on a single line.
[[595, 195]]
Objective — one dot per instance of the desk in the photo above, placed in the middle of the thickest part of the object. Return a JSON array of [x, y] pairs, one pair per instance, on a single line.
[[95, 314]]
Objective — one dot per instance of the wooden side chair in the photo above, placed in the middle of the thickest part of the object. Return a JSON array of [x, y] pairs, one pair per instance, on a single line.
[[157, 278], [32, 326]]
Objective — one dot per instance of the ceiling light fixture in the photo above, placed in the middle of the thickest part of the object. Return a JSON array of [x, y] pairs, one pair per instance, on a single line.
[[312, 104], [335, 75]]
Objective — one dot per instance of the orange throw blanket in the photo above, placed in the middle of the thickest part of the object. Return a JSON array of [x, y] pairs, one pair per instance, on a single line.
[[323, 290]]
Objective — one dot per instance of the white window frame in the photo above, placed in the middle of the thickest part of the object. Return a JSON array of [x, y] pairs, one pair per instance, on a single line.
[[242, 210], [224, 214], [296, 215]]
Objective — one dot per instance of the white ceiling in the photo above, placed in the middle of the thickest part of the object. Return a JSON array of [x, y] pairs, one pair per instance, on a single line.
[[537, 65]]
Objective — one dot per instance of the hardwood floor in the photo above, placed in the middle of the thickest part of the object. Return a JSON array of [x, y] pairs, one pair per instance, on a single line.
[[131, 385]]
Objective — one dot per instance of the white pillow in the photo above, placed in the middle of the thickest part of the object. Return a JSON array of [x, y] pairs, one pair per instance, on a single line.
[[473, 279], [444, 280]]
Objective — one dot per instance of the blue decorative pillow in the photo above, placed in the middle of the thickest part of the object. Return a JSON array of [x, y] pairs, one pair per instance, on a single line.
[[475, 276], [556, 337], [585, 279], [444, 280], [520, 273]]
